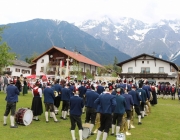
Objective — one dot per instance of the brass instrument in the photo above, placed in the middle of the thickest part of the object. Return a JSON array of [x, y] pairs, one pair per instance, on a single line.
[[56, 93], [124, 125]]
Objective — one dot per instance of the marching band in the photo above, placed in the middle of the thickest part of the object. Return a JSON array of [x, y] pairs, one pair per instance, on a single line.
[[106, 104]]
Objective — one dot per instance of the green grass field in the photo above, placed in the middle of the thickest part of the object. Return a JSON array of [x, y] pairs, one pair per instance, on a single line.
[[162, 124]]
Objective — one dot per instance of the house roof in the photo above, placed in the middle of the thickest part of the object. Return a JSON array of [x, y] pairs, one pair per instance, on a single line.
[[32, 64], [76, 56], [20, 63], [141, 55]]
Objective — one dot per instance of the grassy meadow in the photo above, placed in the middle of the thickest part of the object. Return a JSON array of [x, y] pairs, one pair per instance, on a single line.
[[162, 124]]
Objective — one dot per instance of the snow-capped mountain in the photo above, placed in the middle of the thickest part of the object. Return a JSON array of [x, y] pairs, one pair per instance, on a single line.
[[134, 37], [176, 58]]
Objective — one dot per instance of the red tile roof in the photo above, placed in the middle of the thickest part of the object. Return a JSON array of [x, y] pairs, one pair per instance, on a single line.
[[76, 56]]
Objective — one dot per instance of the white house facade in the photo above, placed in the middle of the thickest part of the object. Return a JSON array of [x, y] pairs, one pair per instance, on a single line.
[[149, 67], [42, 64], [19, 67], [61, 62]]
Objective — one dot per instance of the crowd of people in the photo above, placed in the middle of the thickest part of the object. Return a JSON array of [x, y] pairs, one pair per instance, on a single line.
[[20, 82], [107, 105]]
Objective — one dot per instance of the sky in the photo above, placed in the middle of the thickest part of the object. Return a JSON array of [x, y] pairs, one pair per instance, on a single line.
[[148, 11]]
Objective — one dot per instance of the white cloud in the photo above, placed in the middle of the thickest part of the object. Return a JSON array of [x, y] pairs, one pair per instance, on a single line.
[[76, 10]]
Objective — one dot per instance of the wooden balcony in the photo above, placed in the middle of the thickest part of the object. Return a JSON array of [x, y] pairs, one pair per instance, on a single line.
[[51, 72], [144, 75], [53, 63]]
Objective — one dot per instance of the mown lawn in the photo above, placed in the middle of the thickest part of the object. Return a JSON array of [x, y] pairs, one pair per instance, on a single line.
[[162, 124]]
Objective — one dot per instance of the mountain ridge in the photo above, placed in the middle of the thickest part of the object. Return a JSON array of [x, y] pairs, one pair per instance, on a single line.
[[38, 35], [135, 37]]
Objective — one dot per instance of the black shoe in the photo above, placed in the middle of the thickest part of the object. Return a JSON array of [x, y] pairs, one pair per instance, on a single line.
[[139, 123], [57, 121], [4, 124], [112, 134], [92, 133], [57, 114], [36, 120], [64, 118], [15, 126], [47, 121], [61, 118], [50, 117]]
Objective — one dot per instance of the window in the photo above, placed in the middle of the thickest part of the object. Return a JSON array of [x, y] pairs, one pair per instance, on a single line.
[[7, 69], [142, 62], [130, 70], [145, 70], [23, 71], [172, 69], [161, 69], [42, 69], [42, 61], [54, 68], [17, 70]]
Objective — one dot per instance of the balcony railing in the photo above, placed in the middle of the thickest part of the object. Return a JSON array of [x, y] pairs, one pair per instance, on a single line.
[[54, 63], [144, 75], [51, 72]]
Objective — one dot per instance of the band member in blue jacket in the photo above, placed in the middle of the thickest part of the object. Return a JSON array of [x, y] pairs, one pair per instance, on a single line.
[[144, 98], [129, 105], [147, 89], [118, 112], [57, 100], [65, 97], [76, 105], [90, 97], [49, 102], [107, 104], [166, 90], [11, 98], [100, 88], [82, 90], [137, 100]]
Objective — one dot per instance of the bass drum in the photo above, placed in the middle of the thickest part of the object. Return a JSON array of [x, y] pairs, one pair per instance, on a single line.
[[24, 116]]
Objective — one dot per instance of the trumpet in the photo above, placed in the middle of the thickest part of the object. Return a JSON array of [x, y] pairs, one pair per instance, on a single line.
[[56, 93]]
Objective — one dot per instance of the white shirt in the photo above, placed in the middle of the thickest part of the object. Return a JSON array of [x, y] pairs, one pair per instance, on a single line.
[[39, 90]]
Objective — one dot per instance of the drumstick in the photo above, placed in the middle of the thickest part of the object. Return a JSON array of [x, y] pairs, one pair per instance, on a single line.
[[26, 121]]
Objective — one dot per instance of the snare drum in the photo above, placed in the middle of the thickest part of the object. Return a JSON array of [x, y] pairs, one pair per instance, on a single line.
[[85, 132], [24, 116]]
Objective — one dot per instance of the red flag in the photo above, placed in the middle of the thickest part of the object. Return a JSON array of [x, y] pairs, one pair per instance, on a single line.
[[61, 63]]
